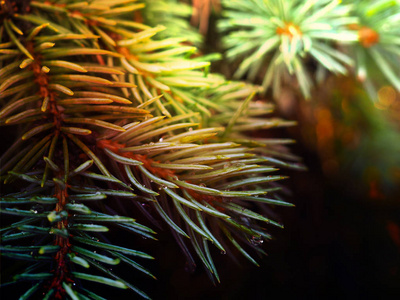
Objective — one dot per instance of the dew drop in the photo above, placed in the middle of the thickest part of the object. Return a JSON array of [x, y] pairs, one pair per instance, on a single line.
[[37, 209], [161, 140], [256, 240], [223, 252]]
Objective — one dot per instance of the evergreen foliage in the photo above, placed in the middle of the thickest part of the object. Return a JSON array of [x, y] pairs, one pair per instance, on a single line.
[[104, 112], [114, 114], [305, 39]]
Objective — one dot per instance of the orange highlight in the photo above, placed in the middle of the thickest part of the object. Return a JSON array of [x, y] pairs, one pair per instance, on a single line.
[[290, 30], [42, 80], [208, 198], [368, 37]]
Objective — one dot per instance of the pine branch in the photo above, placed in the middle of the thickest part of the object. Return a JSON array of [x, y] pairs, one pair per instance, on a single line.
[[283, 35], [378, 41], [102, 109]]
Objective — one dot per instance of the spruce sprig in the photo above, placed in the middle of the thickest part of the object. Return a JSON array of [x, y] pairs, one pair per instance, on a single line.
[[103, 111], [378, 41], [283, 35], [200, 178]]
